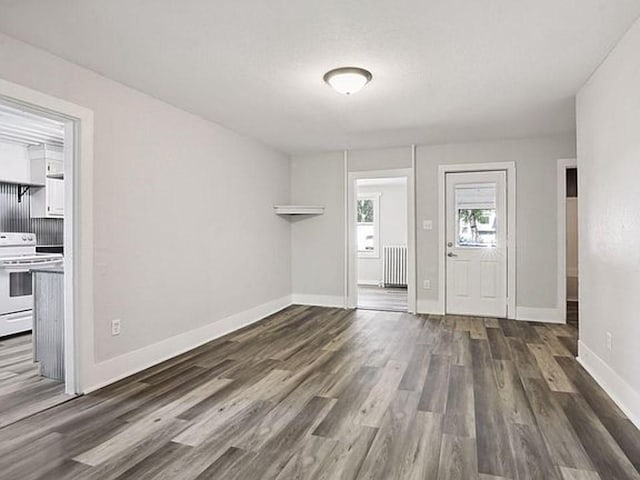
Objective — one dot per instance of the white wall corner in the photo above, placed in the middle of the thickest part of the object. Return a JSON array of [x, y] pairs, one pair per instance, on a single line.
[[114, 369], [318, 300], [535, 314], [613, 384]]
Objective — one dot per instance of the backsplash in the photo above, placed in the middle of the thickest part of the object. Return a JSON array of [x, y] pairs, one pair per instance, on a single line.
[[15, 217]]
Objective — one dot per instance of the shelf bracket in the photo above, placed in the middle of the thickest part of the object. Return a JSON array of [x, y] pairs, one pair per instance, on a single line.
[[22, 191]]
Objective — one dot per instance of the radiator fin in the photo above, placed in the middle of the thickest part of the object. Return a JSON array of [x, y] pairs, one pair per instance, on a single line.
[[394, 266]]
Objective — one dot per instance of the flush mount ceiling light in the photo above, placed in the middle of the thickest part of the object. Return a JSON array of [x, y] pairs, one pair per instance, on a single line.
[[347, 80]]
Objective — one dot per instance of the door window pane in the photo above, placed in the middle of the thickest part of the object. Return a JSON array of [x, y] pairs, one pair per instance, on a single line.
[[476, 221]]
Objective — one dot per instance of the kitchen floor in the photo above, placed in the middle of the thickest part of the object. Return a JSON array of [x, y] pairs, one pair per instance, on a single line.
[[23, 391], [377, 298], [327, 393]]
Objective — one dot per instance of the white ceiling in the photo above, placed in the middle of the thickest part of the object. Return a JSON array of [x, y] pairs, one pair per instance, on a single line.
[[444, 70]]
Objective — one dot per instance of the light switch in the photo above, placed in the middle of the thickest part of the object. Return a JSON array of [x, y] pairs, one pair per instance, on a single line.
[[427, 225]]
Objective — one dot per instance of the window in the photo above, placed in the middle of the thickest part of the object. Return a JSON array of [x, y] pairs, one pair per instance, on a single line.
[[476, 215], [368, 225]]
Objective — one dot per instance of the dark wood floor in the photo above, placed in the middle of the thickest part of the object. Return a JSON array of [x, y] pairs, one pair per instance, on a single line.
[[386, 299], [23, 391], [315, 393]]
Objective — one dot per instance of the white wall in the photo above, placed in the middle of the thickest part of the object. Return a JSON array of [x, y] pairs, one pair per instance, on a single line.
[[185, 233], [536, 162], [608, 116], [317, 245], [393, 227], [536, 216]]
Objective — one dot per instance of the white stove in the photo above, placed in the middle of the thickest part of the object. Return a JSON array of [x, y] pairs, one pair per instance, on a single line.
[[17, 257]]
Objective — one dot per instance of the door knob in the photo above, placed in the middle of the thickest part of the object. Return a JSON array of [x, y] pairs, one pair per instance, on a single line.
[[451, 254]]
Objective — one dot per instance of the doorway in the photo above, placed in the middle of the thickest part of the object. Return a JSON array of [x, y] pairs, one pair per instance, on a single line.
[[46, 137], [381, 234], [381, 240], [572, 246], [476, 243]]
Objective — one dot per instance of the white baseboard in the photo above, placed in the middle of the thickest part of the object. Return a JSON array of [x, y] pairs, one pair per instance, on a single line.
[[429, 306], [369, 283], [318, 300], [535, 314], [114, 369], [616, 387]]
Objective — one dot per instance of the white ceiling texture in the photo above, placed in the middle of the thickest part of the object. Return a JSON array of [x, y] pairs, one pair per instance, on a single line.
[[444, 70]]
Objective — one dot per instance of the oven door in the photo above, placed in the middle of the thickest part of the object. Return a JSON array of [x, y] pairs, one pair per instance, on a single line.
[[16, 290]]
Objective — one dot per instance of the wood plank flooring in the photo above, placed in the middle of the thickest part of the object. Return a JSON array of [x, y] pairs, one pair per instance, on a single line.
[[385, 299], [23, 391], [319, 393]]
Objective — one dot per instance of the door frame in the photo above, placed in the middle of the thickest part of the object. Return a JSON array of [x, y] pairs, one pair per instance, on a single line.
[[350, 241], [563, 165], [510, 169], [78, 225]]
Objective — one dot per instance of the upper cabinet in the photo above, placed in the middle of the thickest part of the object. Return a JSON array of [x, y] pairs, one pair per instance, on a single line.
[[47, 168], [15, 164]]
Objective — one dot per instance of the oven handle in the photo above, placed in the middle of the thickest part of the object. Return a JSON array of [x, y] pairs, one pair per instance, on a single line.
[[25, 265]]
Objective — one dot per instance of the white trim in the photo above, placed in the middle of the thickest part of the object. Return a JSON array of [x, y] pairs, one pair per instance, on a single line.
[[535, 314], [510, 168], [613, 384], [317, 300], [347, 241], [561, 207], [369, 283], [78, 227], [120, 367], [350, 201], [412, 288]]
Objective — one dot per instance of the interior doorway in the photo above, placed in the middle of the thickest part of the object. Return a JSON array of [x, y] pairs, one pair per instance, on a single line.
[[571, 209], [38, 160], [381, 231], [476, 236], [381, 240]]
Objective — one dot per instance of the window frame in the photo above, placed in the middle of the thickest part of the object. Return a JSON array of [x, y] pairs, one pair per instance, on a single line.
[[375, 198]]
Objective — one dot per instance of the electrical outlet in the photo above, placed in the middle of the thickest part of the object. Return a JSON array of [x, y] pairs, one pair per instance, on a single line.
[[609, 341], [427, 225], [115, 327], [426, 284]]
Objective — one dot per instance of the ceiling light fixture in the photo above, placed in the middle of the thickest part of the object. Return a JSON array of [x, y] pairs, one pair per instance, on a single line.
[[347, 80]]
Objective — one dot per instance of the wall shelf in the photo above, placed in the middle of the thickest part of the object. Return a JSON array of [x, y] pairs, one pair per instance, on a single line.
[[299, 209]]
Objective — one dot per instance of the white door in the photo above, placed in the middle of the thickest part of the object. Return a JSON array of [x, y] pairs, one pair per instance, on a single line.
[[476, 250]]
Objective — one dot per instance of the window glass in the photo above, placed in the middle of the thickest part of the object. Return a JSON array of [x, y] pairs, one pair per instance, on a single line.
[[476, 215], [366, 238], [365, 210], [367, 226]]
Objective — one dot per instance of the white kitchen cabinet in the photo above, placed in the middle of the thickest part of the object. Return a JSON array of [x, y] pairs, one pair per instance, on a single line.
[[48, 201], [47, 168], [46, 162]]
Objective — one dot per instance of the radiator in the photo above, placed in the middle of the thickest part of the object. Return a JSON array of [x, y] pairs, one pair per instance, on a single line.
[[394, 266]]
